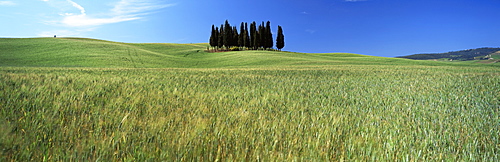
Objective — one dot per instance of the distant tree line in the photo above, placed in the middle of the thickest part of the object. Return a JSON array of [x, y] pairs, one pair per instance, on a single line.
[[258, 37], [463, 55]]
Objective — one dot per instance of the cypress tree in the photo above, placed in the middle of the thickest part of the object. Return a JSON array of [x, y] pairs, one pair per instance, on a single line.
[[220, 40], [247, 37], [213, 37], [253, 35], [261, 35], [257, 37], [241, 38], [217, 37], [269, 36], [235, 37], [280, 39], [228, 34]]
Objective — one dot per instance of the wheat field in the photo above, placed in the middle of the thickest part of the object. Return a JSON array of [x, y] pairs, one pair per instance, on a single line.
[[310, 113]]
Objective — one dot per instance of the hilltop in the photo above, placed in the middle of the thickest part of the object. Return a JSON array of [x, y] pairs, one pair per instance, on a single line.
[[463, 55], [85, 52]]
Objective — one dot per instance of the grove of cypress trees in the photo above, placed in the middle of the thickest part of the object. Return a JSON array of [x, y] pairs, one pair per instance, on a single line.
[[257, 37]]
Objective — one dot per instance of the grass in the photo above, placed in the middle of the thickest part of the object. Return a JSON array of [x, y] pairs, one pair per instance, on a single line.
[[82, 52], [247, 106], [77, 52]]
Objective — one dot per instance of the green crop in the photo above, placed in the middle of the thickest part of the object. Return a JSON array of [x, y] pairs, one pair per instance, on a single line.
[[310, 113]]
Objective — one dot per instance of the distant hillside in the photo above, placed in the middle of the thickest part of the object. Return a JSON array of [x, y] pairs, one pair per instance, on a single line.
[[464, 55], [85, 52]]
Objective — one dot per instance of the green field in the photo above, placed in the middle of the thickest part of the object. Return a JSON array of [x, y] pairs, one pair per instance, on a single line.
[[76, 99], [496, 56], [83, 52]]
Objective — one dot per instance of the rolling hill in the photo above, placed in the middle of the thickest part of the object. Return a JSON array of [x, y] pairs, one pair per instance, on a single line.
[[79, 99], [85, 52], [463, 55]]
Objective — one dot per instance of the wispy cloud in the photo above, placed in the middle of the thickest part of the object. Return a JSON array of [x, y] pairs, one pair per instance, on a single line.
[[7, 3], [75, 20], [124, 10], [76, 5], [137, 7], [83, 20]]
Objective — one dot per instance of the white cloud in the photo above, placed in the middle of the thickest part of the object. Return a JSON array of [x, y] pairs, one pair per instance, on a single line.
[[73, 20], [125, 7], [355, 0], [7, 3], [84, 20], [76, 5], [124, 10]]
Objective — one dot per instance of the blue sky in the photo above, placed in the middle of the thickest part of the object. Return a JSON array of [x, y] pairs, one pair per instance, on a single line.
[[372, 27]]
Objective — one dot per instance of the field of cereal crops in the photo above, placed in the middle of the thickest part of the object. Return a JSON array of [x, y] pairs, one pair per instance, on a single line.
[[75, 99], [325, 113]]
